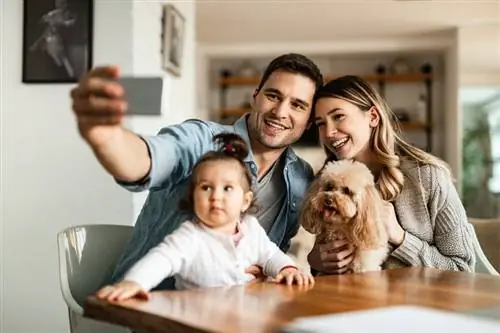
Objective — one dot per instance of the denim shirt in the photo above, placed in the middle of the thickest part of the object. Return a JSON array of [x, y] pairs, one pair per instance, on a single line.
[[174, 151]]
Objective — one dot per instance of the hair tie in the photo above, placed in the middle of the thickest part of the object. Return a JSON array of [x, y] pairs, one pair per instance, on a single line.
[[229, 149]]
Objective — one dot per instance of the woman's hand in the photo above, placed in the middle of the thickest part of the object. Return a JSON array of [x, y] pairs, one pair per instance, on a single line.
[[122, 290], [394, 230], [292, 275]]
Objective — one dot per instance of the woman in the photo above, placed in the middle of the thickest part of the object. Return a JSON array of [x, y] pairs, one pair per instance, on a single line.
[[426, 220]]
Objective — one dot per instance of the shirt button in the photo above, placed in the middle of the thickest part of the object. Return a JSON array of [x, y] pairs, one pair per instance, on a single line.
[[293, 204]]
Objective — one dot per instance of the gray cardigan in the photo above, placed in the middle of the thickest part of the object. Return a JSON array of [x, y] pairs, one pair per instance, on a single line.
[[437, 232]]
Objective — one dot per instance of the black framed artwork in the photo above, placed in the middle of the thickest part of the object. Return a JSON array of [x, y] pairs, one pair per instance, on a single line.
[[57, 40]]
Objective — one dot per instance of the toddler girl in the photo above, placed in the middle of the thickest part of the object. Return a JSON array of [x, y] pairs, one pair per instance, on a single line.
[[220, 242]]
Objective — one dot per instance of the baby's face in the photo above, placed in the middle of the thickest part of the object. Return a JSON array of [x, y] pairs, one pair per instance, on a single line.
[[219, 197]]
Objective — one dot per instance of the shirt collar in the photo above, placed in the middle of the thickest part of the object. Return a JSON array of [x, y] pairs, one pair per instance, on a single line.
[[241, 128]]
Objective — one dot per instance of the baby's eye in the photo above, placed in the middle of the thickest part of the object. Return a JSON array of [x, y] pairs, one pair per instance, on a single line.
[[205, 187], [228, 188]]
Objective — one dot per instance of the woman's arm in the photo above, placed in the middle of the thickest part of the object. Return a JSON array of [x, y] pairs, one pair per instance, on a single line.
[[452, 247]]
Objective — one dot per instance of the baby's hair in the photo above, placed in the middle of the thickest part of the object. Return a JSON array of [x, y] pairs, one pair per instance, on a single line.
[[230, 146]]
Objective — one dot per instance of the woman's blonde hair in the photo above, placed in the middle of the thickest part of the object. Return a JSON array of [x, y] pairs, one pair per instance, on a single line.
[[385, 142]]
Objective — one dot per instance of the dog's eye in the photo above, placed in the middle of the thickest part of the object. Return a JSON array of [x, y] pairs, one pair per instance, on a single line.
[[346, 190], [329, 187]]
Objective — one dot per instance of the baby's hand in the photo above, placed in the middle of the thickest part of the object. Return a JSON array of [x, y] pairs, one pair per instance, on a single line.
[[122, 290], [292, 275]]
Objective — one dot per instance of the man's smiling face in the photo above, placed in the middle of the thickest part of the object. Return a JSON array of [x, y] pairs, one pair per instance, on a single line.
[[281, 110]]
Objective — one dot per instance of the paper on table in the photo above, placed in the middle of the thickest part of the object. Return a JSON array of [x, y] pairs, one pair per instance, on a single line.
[[397, 319]]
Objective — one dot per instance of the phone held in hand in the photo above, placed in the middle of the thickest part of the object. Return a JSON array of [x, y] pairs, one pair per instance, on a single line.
[[143, 95]]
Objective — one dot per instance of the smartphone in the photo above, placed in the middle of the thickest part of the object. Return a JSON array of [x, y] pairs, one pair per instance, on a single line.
[[143, 95]]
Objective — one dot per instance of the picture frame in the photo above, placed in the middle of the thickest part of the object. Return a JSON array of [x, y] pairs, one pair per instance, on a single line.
[[172, 39], [57, 40]]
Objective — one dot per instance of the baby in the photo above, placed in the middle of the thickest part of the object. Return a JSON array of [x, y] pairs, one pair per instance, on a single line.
[[220, 242]]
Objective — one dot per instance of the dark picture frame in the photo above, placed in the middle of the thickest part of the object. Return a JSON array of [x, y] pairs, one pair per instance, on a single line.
[[57, 40], [173, 31]]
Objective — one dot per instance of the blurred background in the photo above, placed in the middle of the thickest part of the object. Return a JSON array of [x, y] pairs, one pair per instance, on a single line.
[[437, 62]]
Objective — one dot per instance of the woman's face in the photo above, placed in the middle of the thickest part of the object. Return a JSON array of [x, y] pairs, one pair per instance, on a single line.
[[344, 128]]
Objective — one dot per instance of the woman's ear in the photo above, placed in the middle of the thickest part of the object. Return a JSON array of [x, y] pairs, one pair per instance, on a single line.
[[374, 116]]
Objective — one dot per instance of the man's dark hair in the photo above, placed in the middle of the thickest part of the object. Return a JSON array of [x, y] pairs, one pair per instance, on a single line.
[[293, 63]]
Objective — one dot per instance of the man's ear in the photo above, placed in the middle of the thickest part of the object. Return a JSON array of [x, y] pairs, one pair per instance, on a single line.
[[374, 116], [255, 93]]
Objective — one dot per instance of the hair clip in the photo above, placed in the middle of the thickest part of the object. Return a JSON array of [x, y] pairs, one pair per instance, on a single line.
[[229, 149]]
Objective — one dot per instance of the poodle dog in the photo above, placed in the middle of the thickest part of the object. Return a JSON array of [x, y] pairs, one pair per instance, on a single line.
[[343, 203]]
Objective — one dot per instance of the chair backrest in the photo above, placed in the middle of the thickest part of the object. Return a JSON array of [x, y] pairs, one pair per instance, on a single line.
[[87, 257], [483, 264]]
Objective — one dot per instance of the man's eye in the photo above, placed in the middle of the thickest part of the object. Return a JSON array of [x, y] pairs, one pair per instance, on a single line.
[[298, 106]]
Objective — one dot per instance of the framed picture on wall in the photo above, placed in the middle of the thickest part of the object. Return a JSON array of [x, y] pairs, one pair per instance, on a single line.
[[173, 24], [57, 40]]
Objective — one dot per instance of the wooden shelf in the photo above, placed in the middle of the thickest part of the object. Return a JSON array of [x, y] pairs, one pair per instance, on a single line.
[[404, 125], [255, 80], [414, 126]]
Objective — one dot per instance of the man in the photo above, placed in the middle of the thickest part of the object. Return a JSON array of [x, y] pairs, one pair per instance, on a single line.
[[281, 112]]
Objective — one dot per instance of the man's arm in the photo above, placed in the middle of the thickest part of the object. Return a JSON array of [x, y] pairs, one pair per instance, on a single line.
[[172, 153], [99, 106], [125, 156]]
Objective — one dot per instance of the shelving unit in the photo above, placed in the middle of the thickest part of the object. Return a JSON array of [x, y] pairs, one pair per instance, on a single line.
[[225, 82]]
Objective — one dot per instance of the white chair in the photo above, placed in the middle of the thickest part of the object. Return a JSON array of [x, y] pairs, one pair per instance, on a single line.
[[87, 257], [483, 265]]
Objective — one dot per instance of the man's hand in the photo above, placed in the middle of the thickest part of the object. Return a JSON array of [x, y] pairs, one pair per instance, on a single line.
[[98, 105], [332, 258]]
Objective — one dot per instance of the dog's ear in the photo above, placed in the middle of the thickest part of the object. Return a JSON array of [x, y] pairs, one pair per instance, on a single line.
[[365, 230], [310, 217]]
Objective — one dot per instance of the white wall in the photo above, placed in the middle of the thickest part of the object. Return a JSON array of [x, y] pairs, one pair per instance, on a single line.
[[178, 92], [479, 51], [50, 179]]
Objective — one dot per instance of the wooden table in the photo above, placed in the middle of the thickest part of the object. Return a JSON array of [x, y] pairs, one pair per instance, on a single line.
[[266, 307]]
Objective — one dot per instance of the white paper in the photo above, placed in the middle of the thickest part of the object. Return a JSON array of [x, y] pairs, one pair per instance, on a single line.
[[394, 319]]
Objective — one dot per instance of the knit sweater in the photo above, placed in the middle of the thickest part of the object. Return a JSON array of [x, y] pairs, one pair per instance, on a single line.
[[437, 232]]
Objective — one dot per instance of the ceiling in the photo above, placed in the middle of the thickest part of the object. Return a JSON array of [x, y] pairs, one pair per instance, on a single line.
[[260, 21], [223, 22]]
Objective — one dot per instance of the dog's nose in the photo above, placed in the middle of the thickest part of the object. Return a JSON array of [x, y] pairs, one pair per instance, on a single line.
[[328, 201]]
